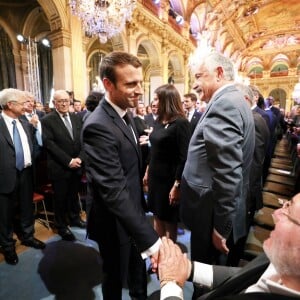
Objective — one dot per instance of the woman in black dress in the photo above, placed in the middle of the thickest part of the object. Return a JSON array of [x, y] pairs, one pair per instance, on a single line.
[[169, 143]]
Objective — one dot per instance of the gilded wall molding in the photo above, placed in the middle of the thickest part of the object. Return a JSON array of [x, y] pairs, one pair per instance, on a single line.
[[60, 38]]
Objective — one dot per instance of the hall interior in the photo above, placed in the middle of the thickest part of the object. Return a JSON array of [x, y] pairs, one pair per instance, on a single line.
[[262, 38]]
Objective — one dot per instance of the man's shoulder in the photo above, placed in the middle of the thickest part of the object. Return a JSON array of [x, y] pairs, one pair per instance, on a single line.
[[50, 116]]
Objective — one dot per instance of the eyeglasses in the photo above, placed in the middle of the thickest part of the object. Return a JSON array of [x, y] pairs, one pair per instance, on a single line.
[[285, 210], [62, 101]]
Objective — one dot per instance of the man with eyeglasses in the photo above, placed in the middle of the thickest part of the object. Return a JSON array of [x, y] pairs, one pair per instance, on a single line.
[[151, 118], [16, 176], [61, 138], [273, 275]]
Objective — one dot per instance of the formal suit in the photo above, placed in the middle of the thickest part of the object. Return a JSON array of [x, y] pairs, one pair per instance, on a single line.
[[116, 220], [141, 125], [264, 115], [230, 283], [149, 119], [16, 190], [195, 119], [216, 174], [61, 148], [262, 138]]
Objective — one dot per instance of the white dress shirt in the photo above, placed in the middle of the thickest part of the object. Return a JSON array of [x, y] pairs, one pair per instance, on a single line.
[[25, 144], [269, 282]]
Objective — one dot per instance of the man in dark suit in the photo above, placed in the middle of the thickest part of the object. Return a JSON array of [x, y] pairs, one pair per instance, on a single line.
[[61, 138], [150, 118], [273, 275], [116, 220], [255, 196], [33, 117], [258, 109], [215, 179], [16, 176], [189, 105]]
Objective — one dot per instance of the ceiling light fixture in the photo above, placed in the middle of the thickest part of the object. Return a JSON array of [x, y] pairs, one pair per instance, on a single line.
[[21, 38], [101, 18]]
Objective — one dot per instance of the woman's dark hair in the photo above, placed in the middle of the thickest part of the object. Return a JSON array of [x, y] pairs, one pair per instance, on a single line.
[[169, 106]]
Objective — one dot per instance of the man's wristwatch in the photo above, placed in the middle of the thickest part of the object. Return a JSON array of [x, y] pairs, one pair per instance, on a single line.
[[177, 184]]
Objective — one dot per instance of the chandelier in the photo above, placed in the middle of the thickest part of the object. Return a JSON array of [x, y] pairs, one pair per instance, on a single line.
[[104, 19]]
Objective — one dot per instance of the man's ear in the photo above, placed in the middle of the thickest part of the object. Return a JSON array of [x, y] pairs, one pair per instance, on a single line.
[[220, 72], [108, 85]]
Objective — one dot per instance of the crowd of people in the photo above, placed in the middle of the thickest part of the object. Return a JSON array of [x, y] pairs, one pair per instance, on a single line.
[[204, 167]]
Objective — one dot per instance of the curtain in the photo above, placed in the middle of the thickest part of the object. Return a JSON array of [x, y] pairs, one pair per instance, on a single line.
[[46, 72], [7, 62]]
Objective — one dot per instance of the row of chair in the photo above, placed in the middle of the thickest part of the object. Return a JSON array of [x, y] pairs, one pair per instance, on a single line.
[[282, 183]]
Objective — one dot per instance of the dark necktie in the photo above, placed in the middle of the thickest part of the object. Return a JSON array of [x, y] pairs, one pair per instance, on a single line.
[[18, 147], [127, 121], [68, 125]]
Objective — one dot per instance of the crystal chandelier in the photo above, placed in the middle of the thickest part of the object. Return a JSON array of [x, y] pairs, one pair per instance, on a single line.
[[104, 19]]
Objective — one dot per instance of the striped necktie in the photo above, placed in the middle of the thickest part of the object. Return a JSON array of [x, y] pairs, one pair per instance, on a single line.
[[68, 125]]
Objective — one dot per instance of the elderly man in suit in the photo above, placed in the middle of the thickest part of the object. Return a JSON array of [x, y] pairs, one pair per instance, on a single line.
[[215, 179], [273, 275], [61, 138], [117, 221], [16, 176]]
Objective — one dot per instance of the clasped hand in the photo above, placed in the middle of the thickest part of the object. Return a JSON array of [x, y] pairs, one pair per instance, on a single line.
[[172, 264]]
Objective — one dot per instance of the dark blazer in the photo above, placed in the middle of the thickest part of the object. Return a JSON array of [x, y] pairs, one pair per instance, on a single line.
[[262, 138], [140, 125], [264, 115], [149, 120], [194, 120], [216, 174], [113, 169], [8, 171], [61, 148]]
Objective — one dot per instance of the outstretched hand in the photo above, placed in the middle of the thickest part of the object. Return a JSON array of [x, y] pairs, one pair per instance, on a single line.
[[173, 264]]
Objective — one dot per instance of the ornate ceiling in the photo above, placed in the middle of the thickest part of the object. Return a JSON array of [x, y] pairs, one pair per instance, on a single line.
[[251, 32]]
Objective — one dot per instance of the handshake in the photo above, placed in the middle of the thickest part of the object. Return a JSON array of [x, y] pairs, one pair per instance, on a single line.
[[170, 264]]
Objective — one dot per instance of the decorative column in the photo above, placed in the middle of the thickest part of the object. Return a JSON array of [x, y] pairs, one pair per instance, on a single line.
[[78, 62], [62, 59]]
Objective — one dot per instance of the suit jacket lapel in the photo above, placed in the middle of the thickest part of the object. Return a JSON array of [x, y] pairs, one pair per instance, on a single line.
[[61, 123], [247, 276], [5, 132], [123, 127]]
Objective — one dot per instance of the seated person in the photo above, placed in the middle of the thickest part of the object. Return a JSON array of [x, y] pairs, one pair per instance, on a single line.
[[273, 275]]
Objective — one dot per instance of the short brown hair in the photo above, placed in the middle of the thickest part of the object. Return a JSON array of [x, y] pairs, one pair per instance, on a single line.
[[114, 59]]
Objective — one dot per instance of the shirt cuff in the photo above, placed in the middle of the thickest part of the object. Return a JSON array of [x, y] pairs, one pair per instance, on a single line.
[[70, 162], [153, 249], [171, 289], [203, 274]]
